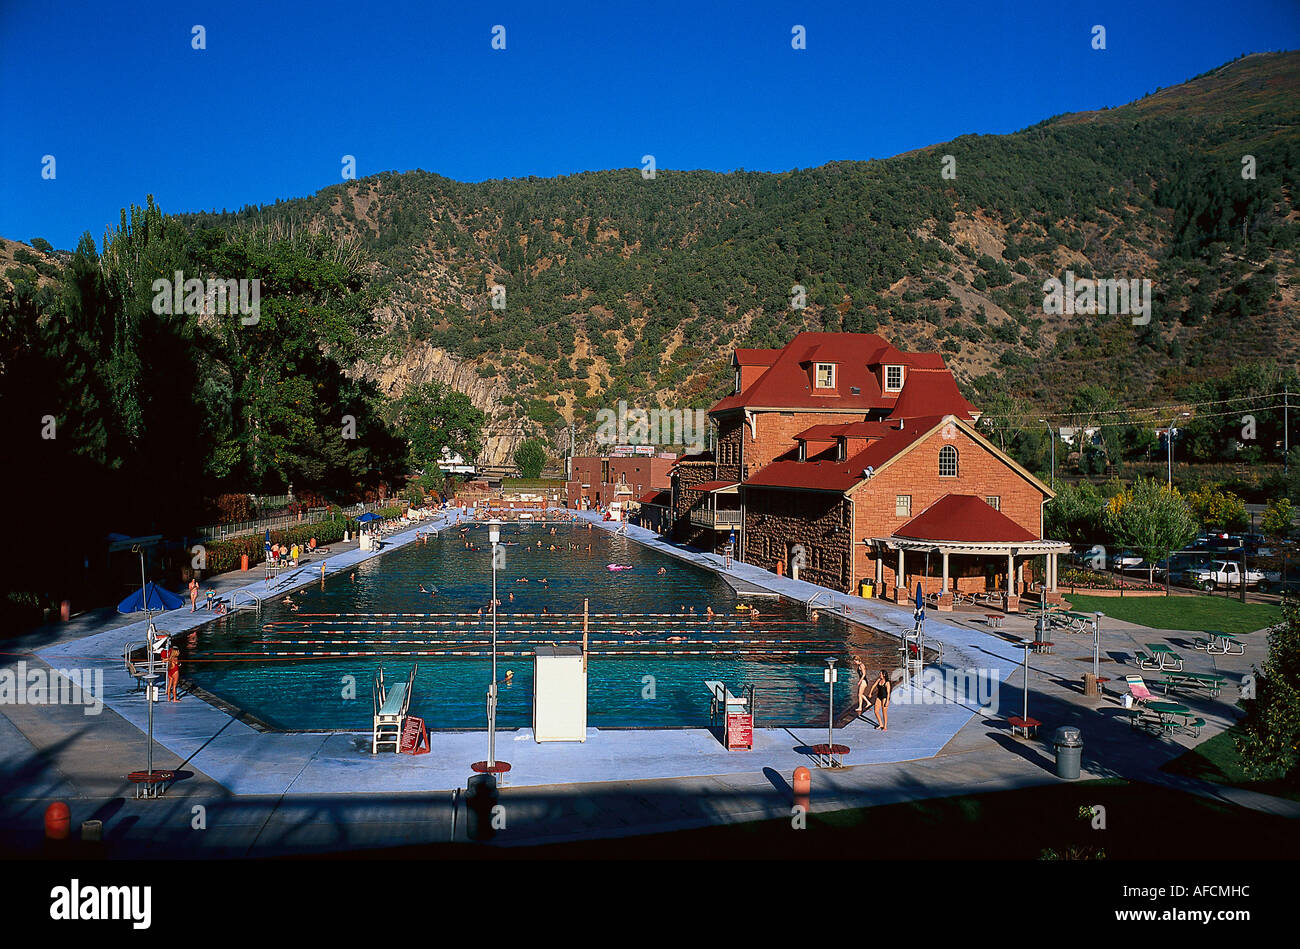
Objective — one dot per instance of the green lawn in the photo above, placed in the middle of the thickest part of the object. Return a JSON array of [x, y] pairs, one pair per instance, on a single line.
[[1216, 760], [1182, 612], [1024, 824]]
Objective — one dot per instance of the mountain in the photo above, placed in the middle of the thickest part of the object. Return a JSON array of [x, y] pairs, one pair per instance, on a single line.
[[622, 287]]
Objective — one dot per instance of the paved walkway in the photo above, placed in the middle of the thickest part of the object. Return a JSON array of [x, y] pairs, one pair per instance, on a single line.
[[301, 792]]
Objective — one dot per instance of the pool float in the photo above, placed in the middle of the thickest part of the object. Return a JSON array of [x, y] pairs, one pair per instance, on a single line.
[[618, 566]]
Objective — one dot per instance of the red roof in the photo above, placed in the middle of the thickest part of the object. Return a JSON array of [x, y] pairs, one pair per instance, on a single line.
[[963, 518], [839, 476], [756, 357], [931, 392], [830, 432], [787, 383], [663, 498], [711, 486]]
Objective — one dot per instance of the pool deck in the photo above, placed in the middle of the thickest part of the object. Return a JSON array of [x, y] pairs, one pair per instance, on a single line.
[[300, 792]]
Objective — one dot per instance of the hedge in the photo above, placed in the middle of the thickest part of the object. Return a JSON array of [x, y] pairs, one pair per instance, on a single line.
[[224, 555]]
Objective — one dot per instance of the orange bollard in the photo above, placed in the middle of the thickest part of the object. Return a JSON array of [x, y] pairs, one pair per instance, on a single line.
[[243, 561], [802, 781], [57, 821], [65, 610]]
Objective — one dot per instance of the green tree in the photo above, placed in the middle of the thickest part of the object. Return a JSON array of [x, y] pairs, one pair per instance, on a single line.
[[432, 417], [1278, 517], [1214, 507], [530, 457], [1075, 514], [1151, 519], [1269, 741]]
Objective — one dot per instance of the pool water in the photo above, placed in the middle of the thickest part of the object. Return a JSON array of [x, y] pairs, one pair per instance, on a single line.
[[271, 666]]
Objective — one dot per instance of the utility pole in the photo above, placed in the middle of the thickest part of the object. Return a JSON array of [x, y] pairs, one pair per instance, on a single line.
[[1286, 443]]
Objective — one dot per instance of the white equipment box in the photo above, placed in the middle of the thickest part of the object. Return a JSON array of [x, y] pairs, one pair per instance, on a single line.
[[559, 694]]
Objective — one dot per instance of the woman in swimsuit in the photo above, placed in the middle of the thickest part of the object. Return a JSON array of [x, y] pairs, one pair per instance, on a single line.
[[173, 673], [861, 670], [880, 695]]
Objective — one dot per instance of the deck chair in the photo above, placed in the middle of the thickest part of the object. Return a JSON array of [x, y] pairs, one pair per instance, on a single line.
[[1138, 689]]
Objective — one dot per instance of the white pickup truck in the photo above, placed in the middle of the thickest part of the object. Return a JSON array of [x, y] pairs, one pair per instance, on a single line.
[[1224, 573]]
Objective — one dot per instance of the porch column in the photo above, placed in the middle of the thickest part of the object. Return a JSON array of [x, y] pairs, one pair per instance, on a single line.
[[1011, 575], [900, 580], [880, 571], [1052, 567], [944, 589]]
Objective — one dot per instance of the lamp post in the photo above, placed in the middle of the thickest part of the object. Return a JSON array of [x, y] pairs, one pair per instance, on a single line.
[[830, 708], [1026, 643], [1096, 643], [1169, 444], [144, 589], [1051, 437], [151, 677], [494, 535]]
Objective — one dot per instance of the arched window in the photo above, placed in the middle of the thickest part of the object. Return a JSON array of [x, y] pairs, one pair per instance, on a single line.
[[947, 462]]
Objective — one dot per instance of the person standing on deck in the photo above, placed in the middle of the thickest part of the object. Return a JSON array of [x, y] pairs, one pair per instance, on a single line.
[[194, 595], [880, 695], [173, 673]]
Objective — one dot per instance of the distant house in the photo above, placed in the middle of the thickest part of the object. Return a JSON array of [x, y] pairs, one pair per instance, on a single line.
[[841, 459], [1069, 435]]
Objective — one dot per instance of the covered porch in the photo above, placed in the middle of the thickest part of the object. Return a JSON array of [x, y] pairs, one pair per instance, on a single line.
[[983, 568]]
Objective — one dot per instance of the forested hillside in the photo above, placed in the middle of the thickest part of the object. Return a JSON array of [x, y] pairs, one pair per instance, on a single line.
[[618, 286]]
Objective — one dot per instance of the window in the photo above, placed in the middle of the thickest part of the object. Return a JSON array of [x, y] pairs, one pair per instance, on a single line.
[[947, 462], [825, 375], [893, 378], [738, 380], [995, 503], [841, 449], [903, 505]]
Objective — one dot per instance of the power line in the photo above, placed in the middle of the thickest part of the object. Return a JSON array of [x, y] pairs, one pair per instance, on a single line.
[[1140, 410]]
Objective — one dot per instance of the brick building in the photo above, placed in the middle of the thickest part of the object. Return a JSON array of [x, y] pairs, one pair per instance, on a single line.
[[841, 459], [595, 481]]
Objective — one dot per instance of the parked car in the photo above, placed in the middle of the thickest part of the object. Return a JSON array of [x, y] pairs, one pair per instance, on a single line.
[[1125, 560], [1224, 573]]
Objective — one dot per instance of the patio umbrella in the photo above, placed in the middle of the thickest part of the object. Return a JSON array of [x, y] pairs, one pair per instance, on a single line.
[[268, 540], [367, 517], [920, 598], [156, 598]]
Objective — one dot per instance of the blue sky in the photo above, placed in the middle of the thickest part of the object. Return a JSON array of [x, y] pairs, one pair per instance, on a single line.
[[117, 95]]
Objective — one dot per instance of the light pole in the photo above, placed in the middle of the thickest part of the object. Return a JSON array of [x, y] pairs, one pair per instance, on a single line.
[[144, 590], [830, 708], [1096, 643], [1169, 444], [494, 535], [1026, 643], [1051, 436]]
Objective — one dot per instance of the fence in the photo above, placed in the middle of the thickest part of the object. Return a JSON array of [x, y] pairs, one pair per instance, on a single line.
[[313, 516]]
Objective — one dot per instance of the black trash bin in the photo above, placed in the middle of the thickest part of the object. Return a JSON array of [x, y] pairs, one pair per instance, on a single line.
[[480, 797], [1068, 742]]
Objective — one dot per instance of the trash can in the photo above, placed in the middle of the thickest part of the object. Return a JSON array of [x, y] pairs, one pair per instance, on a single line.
[[866, 588], [1069, 750]]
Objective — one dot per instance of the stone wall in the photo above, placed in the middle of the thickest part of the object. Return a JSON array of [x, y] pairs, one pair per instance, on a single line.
[[777, 519]]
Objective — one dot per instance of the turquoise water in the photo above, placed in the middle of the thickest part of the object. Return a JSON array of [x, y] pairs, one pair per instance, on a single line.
[[270, 665]]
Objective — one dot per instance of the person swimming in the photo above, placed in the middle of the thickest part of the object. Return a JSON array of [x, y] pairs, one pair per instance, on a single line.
[[430, 592]]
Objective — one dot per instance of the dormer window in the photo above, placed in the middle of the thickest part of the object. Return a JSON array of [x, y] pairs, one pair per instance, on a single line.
[[803, 450], [841, 449], [893, 378], [824, 376]]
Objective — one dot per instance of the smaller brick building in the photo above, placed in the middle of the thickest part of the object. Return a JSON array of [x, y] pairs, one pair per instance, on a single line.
[[595, 481]]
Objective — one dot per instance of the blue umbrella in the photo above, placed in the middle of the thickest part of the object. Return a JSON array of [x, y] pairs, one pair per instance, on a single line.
[[268, 540], [158, 599], [920, 600], [367, 517]]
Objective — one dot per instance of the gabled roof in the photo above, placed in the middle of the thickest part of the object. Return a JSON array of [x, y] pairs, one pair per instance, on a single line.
[[831, 431], [755, 357], [787, 384], [930, 392], [840, 476], [662, 498], [963, 518]]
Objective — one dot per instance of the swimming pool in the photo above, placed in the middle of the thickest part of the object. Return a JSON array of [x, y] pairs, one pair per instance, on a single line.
[[643, 623]]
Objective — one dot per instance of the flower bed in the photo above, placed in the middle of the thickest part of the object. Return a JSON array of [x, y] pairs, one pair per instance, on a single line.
[[1081, 579]]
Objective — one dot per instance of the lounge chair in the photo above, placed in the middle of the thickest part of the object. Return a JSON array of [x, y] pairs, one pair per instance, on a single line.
[[1137, 687]]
